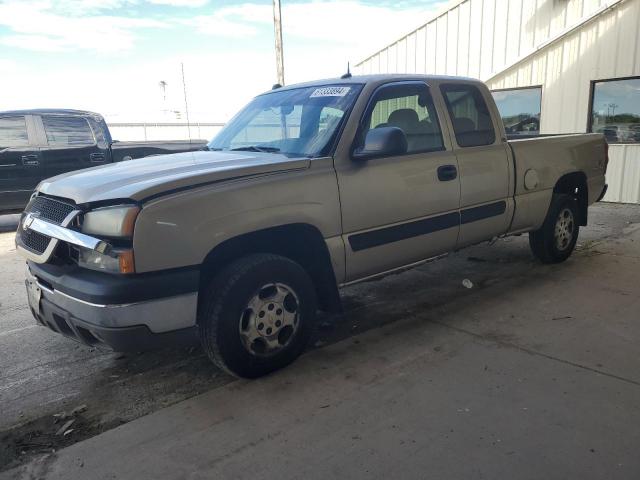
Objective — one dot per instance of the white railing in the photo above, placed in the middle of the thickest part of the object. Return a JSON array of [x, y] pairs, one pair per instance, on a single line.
[[127, 132]]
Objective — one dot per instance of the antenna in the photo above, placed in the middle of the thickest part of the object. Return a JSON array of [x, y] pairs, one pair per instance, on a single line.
[[186, 105], [348, 74]]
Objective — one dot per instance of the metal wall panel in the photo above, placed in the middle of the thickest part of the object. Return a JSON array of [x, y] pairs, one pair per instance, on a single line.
[[504, 42], [604, 48], [479, 38], [623, 174]]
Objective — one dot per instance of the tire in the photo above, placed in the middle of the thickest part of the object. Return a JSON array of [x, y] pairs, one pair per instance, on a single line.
[[257, 315], [555, 240]]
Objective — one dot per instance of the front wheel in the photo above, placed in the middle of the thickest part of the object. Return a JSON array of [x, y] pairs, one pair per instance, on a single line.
[[555, 240], [257, 315]]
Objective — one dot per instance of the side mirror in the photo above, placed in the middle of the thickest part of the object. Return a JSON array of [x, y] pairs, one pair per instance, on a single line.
[[382, 142]]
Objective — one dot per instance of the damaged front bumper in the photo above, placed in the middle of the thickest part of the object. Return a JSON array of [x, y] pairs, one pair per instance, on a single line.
[[119, 312]]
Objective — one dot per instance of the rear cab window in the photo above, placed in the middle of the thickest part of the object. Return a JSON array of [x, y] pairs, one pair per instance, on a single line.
[[470, 117], [409, 107], [13, 132], [64, 131]]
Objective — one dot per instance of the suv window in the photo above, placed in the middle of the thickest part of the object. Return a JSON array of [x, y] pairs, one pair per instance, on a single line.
[[409, 107], [13, 132], [67, 131], [469, 115]]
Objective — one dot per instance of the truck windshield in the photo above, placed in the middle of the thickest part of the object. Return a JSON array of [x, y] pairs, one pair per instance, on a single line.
[[299, 122]]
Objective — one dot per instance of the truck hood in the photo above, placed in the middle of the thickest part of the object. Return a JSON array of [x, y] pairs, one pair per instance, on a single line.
[[146, 177]]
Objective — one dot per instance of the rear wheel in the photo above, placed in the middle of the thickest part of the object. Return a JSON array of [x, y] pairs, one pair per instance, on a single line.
[[556, 239], [257, 315]]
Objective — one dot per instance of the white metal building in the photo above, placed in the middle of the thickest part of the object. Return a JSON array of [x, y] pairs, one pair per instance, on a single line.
[[556, 66]]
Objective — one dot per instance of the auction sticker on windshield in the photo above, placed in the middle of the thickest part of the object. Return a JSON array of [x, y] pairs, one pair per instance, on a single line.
[[330, 92]]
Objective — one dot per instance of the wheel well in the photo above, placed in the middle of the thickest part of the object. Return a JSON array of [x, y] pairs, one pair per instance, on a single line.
[[301, 243], [575, 184]]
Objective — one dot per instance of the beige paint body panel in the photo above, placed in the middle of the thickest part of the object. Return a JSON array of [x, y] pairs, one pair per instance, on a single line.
[[142, 178], [213, 214], [551, 158], [384, 192]]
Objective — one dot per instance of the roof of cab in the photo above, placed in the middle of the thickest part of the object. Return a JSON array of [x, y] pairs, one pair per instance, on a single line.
[[50, 111], [378, 78]]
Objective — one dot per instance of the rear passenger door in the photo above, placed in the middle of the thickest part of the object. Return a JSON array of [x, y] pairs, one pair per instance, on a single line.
[[20, 162], [486, 206], [399, 209], [71, 144]]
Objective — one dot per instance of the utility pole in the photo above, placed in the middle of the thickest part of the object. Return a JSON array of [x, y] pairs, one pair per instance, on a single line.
[[186, 104], [277, 26]]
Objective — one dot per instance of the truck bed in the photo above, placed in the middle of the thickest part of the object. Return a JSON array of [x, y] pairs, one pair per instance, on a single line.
[[541, 160]]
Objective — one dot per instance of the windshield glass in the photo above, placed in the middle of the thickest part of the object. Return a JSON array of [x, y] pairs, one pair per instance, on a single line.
[[298, 122]]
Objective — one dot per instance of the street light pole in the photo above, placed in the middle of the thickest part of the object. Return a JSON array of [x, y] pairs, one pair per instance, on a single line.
[[277, 25]]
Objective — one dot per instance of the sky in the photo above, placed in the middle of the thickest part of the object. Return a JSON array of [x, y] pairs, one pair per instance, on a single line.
[[110, 56]]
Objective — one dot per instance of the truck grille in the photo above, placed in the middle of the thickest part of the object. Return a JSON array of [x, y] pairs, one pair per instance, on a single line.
[[54, 211], [45, 208], [34, 241]]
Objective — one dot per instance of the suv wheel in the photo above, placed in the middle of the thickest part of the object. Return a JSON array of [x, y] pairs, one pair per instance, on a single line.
[[257, 315], [555, 240]]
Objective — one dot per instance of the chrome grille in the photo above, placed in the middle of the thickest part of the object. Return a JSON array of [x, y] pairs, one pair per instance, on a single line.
[[54, 211], [48, 209], [34, 241]]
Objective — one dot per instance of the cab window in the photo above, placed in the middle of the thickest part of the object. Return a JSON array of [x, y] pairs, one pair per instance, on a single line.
[[67, 131], [13, 132], [469, 115], [410, 108]]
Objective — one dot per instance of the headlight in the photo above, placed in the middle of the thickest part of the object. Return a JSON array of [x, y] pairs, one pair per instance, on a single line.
[[114, 222], [115, 260]]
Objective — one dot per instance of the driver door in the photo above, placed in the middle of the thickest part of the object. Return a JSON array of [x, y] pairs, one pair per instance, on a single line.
[[400, 209]]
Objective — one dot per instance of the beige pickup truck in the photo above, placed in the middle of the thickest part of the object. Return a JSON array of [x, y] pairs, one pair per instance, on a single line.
[[309, 188]]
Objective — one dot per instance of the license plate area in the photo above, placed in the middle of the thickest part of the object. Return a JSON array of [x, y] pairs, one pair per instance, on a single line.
[[34, 294]]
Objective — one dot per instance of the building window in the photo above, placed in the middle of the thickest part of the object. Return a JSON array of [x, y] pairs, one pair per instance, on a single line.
[[469, 114], [615, 109], [519, 109]]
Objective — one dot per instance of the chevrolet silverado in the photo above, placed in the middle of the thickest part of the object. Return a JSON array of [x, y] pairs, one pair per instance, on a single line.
[[309, 188]]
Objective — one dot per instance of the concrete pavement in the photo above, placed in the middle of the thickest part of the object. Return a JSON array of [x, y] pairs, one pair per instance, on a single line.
[[533, 373]]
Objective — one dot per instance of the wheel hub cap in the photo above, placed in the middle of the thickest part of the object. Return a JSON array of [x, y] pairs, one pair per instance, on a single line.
[[270, 320], [564, 229]]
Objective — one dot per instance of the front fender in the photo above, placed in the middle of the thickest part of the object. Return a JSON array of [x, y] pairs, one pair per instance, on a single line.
[[181, 229]]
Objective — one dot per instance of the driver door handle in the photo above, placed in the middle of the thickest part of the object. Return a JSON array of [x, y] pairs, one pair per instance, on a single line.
[[30, 160], [97, 157], [447, 173]]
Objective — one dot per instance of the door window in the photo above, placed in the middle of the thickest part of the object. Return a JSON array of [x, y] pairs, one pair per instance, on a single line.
[[410, 108], [67, 131], [469, 115], [13, 132]]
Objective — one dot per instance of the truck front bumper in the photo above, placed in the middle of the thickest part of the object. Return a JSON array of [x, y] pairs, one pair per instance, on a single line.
[[120, 313]]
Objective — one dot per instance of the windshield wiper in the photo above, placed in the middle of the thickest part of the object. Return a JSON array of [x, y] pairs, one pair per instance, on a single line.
[[257, 148]]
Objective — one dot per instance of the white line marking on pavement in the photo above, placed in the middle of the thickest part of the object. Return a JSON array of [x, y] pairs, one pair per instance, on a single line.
[[15, 330]]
